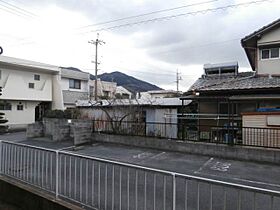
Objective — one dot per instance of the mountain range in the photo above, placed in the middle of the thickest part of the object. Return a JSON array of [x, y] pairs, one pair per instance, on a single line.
[[130, 83]]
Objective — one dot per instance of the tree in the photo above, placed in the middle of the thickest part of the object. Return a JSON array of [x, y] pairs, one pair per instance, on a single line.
[[118, 111]]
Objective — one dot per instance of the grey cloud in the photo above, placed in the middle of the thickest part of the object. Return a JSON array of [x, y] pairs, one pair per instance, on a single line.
[[177, 41]]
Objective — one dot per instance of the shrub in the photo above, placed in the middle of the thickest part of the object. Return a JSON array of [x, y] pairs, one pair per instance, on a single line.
[[66, 114]]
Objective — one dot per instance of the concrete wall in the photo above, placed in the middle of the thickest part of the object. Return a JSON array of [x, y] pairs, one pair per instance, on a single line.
[[24, 197], [35, 130], [57, 102], [82, 132], [225, 151], [61, 130]]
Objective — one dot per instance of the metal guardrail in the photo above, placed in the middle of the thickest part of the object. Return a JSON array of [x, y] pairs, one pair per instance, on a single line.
[[106, 184], [233, 135]]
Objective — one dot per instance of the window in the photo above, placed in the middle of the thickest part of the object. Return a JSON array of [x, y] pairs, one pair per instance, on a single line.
[[106, 93], [223, 108], [20, 107], [5, 106], [265, 54], [31, 85], [37, 77], [74, 83], [270, 53], [274, 53]]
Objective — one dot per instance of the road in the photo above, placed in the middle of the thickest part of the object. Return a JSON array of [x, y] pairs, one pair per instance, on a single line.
[[108, 187]]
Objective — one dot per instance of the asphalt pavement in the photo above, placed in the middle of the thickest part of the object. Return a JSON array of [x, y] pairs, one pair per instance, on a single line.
[[254, 174]]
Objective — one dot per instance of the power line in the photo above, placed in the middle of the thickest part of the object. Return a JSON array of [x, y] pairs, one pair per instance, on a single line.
[[146, 14], [21, 10], [198, 46], [181, 15], [9, 10]]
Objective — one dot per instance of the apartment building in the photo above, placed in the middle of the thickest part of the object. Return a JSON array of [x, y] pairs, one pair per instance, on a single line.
[[75, 86], [29, 89]]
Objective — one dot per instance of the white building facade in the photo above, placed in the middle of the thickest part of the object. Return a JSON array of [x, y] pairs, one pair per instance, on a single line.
[[28, 90]]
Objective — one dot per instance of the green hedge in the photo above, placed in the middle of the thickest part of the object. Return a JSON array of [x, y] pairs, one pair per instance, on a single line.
[[66, 114]]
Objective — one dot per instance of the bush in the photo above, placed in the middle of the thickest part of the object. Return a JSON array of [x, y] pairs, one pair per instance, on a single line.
[[54, 114], [66, 114], [3, 128]]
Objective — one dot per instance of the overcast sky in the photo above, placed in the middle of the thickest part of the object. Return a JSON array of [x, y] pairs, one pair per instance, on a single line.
[[57, 32]]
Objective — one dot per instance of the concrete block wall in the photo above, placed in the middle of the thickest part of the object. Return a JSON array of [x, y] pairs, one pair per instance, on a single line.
[[82, 132], [216, 150], [51, 124], [35, 130], [61, 133]]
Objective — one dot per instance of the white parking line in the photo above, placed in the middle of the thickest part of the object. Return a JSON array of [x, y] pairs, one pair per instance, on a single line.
[[219, 166], [142, 155], [157, 155], [204, 165]]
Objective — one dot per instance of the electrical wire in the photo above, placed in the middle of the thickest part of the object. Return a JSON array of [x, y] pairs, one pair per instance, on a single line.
[[12, 11], [19, 9], [232, 6], [146, 14]]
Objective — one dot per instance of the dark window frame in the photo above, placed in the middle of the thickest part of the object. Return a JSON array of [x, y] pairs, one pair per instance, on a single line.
[[31, 85], [74, 84], [6, 106], [20, 107], [267, 53], [271, 52], [37, 77], [267, 56]]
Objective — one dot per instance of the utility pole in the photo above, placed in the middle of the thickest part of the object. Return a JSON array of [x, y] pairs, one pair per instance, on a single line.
[[178, 78], [96, 43]]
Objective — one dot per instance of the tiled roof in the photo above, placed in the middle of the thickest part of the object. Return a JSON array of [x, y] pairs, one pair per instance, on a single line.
[[262, 30], [242, 81]]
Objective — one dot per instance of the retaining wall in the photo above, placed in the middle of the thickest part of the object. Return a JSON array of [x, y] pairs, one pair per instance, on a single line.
[[60, 130], [16, 195], [217, 150], [35, 130]]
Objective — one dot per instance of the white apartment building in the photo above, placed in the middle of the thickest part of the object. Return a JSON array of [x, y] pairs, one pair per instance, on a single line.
[[104, 89], [154, 94], [123, 93], [29, 89], [74, 85]]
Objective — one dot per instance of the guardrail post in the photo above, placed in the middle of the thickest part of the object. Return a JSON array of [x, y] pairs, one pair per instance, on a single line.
[[56, 173], [174, 192]]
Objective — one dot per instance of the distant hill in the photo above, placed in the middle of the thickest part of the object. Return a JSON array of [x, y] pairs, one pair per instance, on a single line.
[[130, 83]]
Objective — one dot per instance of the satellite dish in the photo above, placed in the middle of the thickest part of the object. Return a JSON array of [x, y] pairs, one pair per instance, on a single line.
[[1, 50]]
